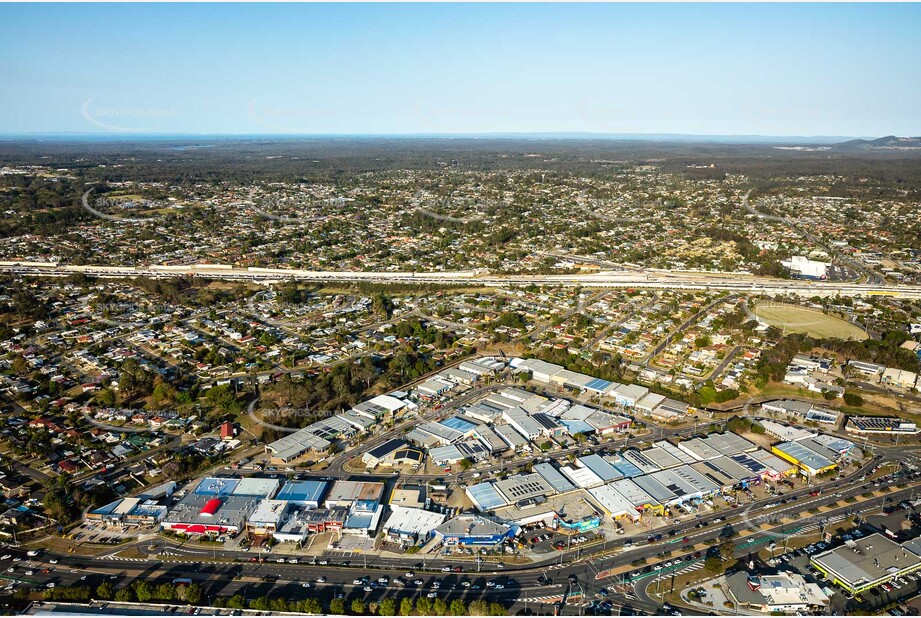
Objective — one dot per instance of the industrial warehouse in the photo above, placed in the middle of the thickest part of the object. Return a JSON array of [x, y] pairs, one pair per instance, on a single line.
[[666, 479]]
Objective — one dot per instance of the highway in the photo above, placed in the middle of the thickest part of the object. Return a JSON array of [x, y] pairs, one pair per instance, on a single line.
[[632, 279]]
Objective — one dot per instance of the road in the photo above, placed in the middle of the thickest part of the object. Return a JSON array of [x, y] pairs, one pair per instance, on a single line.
[[633, 279]]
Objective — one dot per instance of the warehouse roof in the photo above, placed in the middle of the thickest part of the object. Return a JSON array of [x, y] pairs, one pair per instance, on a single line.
[[599, 466], [523, 487], [633, 493], [866, 560], [350, 491], [804, 455], [411, 521], [554, 478], [485, 496], [612, 502], [582, 477], [302, 491], [473, 526], [661, 458], [674, 451]]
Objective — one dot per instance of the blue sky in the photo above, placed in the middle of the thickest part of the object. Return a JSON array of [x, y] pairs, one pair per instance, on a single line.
[[781, 69]]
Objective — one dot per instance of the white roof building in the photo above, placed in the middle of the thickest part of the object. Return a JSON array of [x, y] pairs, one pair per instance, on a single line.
[[613, 503]]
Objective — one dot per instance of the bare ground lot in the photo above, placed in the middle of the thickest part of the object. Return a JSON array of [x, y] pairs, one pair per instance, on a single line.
[[814, 323]]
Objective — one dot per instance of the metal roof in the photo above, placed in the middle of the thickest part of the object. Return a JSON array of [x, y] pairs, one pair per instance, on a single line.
[[485, 496]]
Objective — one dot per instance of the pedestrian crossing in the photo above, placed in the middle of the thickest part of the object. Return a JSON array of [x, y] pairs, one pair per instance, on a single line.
[[124, 559]]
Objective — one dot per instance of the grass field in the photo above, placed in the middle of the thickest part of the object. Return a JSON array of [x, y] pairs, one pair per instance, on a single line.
[[814, 323]]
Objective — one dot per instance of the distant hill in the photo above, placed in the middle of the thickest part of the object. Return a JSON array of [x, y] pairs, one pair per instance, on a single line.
[[890, 142]]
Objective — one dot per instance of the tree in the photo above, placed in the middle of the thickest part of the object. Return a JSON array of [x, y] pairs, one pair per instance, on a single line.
[[477, 608], [440, 608], [853, 399], [406, 607], [238, 601], [358, 607], [143, 591], [727, 549], [466, 464], [458, 608], [337, 607], [124, 595], [707, 395], [313, 606], [713, 564], [104, 591], [388, 607], [193, 594], [423, 606], [497, 609], [165, 592]]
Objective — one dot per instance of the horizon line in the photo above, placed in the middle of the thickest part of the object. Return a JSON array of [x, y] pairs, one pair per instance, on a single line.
[[574, 135]]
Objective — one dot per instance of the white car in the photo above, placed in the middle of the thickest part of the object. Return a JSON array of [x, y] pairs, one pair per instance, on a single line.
[[30, 572], [6, 556], [53, 561], [431, 595], [305, 585]]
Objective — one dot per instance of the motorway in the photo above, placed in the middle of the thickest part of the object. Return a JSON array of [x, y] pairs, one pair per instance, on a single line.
[[632, 279]]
